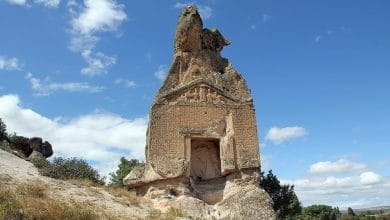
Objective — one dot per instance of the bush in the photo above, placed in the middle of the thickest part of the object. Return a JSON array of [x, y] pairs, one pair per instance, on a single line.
[[3, 131], [40, 162], [322, 212], [66, 169], [286, 203], [124, 168]]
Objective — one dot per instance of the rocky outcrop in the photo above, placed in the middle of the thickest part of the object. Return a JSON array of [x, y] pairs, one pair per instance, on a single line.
[[231, 199], [202, 149], [29, 148], [21, 146]]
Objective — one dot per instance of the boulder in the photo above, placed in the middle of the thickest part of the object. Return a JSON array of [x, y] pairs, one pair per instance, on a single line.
[[21, 144], [23, 147], [47, 149], [35, 155], [35, 143]]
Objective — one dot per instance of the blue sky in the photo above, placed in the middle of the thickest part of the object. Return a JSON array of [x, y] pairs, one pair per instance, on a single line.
[[83, 74]]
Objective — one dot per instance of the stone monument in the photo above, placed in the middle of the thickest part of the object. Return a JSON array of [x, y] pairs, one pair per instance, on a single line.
[[202, 138]]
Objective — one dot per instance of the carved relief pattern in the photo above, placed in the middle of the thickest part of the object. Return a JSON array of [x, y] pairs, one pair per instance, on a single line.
[[201, 94]]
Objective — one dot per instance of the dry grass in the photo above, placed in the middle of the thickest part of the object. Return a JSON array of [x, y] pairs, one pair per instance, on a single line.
[[128, 197], [83, 182], [171, 214], [9, 206], [31, 202], [35, 189], [54, 209]]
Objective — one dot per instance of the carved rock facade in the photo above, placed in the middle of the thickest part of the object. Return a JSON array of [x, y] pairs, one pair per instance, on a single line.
[[202, 134]]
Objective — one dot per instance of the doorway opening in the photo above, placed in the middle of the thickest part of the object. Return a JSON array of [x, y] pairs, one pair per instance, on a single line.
[[205, 159]]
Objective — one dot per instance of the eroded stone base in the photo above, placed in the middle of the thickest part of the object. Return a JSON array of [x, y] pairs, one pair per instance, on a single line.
[[237, 196]]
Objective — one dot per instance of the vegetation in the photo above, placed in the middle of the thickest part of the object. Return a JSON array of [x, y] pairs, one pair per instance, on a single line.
[[130, 197], [65, 169], [286, 203], [3, 131], [30, 202], [9, 206], [325, 212], [321, 212], [350, 212], [124, 168]]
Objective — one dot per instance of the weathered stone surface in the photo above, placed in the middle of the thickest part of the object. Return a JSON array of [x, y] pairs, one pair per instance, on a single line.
[[25, 147], [46, 149], [202, 137], [22, 146], [35, 155], [35, 143]]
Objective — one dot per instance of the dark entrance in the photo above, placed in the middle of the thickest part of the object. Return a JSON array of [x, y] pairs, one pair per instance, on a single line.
[[205, 159]]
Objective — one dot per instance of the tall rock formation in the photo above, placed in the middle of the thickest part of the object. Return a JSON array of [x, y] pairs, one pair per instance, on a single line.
[[202, 149]]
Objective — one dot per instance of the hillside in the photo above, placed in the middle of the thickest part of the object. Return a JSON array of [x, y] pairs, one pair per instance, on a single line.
[[24, 181], [27, 193]]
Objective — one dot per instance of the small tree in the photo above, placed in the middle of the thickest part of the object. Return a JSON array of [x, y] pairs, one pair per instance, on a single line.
[[350, 211], [124, 168], [3, 131], [286, 203]]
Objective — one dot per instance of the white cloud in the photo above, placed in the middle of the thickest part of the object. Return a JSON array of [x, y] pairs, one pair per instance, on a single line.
[[46, 86], [368, 178], [266, 18], [206, 12], [280, 135], [326, 34], [339, 166], [354, 190], [265, 162], [10, 63], [99, 137], [125, 82], [317, 38], [161, 72], [17, 2], [97, 63], [89, 19], [46, 3], [99, 15]]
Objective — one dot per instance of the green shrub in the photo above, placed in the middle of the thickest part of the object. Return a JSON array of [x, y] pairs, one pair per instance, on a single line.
[[124, 168], [40, 162], [322, 212], [71, 168], [3, 131], [286, 203]]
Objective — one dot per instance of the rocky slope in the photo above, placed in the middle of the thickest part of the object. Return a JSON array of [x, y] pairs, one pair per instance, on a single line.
[[109, 204], [16, 172]]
